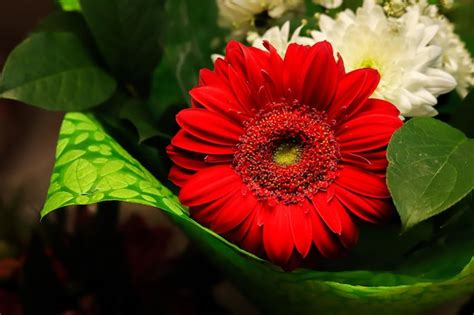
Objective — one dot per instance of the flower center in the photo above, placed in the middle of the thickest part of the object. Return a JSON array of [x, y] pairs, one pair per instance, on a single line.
[[287, 153], [368, 63]]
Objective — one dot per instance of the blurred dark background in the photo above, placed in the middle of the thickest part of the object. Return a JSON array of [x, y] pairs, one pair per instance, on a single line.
[[111, 259]]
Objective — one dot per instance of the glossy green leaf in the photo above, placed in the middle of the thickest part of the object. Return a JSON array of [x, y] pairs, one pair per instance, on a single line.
[[55, 72], [431, 167], [128, 33], [99, 170]]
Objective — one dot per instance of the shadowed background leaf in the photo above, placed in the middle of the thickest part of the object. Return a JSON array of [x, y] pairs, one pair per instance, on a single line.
[[129, 35]]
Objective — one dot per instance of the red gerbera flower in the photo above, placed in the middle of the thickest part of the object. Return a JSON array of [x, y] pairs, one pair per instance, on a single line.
[[281, 155]]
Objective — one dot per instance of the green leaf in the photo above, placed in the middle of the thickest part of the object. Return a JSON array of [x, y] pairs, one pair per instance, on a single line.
[[128, 33], [118, 176], [55, 72], [431, 167], [70, 5]]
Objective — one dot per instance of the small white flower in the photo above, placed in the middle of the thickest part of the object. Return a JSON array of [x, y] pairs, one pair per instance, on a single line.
[[243, 14], [455, 58], [279, 38], [329, 4], [399, 48]]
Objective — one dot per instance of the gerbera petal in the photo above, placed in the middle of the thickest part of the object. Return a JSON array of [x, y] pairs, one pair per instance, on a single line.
[[255, 60], [274, 74], [179, 176], [218, 159], [375, 106], [300, 222], [367, 132], [211, 78], [325, 241], [235, 57], [321, 78], [233, 212], [292, 78], [206, 213], [350, 233], [368, 209], [217, 128], [362, 183], [340, 66], [240, 231], [373, 161], [217, 100], [241, 90], [186, 141], [326, 209], [252, 240], [221, 67], [276, 230], [209, 184], [352, 91], [184, 159]]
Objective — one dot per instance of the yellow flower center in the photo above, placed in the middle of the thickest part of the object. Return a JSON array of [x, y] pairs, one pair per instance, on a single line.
[[287, 154], [369, 63]]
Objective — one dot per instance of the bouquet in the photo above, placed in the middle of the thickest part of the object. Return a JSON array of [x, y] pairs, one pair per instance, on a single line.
[[317, 151]]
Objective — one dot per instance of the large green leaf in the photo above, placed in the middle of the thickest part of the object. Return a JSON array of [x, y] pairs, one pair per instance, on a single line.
[[431, 167], [128, 33], [91, 167], [54, 71]]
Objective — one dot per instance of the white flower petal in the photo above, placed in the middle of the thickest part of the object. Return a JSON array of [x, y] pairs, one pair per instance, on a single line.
[[455, 58], [279, 38], [328, 4]]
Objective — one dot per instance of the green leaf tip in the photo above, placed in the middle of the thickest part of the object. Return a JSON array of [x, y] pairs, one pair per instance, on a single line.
[[91, 167], [70, 5]]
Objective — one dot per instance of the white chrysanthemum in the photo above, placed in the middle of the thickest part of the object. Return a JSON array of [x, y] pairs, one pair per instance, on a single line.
[[328, 4], [399, 48], [455, 58], [242, 14], [279, 38]]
